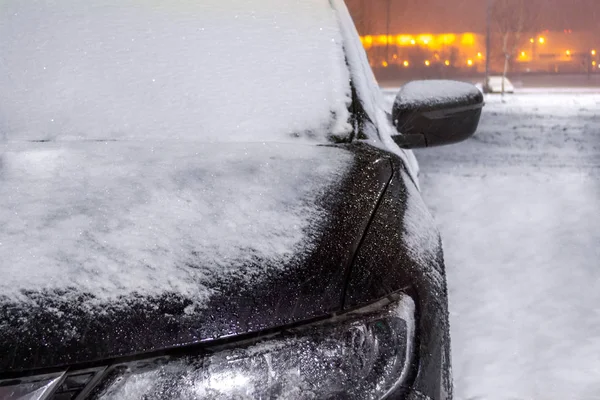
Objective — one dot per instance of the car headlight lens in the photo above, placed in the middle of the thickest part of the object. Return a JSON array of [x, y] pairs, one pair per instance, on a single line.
[[360, 355]]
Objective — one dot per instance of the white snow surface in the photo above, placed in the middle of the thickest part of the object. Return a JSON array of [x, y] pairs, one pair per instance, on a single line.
[[119, 218], [517, 206], [218, 69], [421, 242], [432, 92]]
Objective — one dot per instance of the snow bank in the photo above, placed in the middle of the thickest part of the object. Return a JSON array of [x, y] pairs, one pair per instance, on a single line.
[[180, 69], [522, 258], [517, 207], [116, 219]]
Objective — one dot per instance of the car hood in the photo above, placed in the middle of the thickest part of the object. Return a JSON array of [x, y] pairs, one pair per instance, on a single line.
[[113, 249]]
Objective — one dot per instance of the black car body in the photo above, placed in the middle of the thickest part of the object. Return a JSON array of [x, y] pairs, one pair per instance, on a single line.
[[354, 307]]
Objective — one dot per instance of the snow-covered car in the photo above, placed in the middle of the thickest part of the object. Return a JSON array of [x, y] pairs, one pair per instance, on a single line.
[[209, 200], [494, 85]]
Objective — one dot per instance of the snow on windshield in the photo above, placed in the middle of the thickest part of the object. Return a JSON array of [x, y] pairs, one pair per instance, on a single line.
[[210, 70]]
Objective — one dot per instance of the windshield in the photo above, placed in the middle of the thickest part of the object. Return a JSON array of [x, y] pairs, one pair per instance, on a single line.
[[210, 70]]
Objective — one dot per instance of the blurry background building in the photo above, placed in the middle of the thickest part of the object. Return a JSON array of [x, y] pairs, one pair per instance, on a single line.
[[446, 38]]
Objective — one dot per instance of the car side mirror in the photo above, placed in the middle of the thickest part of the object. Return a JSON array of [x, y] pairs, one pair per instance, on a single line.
[[435, 113]]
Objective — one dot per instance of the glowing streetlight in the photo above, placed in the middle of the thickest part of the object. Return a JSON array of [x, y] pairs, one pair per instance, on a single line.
[[447, 63], [568, 52], [384, 64], [470, 62], [427, 63], [542, 40], [593, 52], [405, 63]]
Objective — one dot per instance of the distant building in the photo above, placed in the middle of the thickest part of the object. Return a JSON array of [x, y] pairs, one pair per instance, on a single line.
[[548, 51], [566, 51], [426, 51]]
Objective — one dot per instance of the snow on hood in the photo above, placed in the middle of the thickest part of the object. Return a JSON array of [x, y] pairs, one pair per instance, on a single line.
[[215, 69], [114, 219]]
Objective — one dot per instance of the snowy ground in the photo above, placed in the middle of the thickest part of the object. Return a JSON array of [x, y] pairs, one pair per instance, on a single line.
[[519, 210]]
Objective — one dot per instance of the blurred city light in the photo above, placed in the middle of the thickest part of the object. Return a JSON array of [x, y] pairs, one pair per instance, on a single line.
[[468, 39], [545, 51], [536, 48], [425, 39]]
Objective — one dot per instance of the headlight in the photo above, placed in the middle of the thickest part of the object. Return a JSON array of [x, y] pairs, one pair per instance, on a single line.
[[360, 355], [363, 354]]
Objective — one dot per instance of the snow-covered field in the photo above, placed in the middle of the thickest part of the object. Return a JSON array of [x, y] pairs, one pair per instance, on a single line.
[[518, 206]]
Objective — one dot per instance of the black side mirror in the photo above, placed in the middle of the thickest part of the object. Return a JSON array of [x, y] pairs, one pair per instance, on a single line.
[[435, 113]]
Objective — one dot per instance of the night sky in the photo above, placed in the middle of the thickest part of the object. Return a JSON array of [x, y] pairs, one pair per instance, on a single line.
[[438, 16]]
